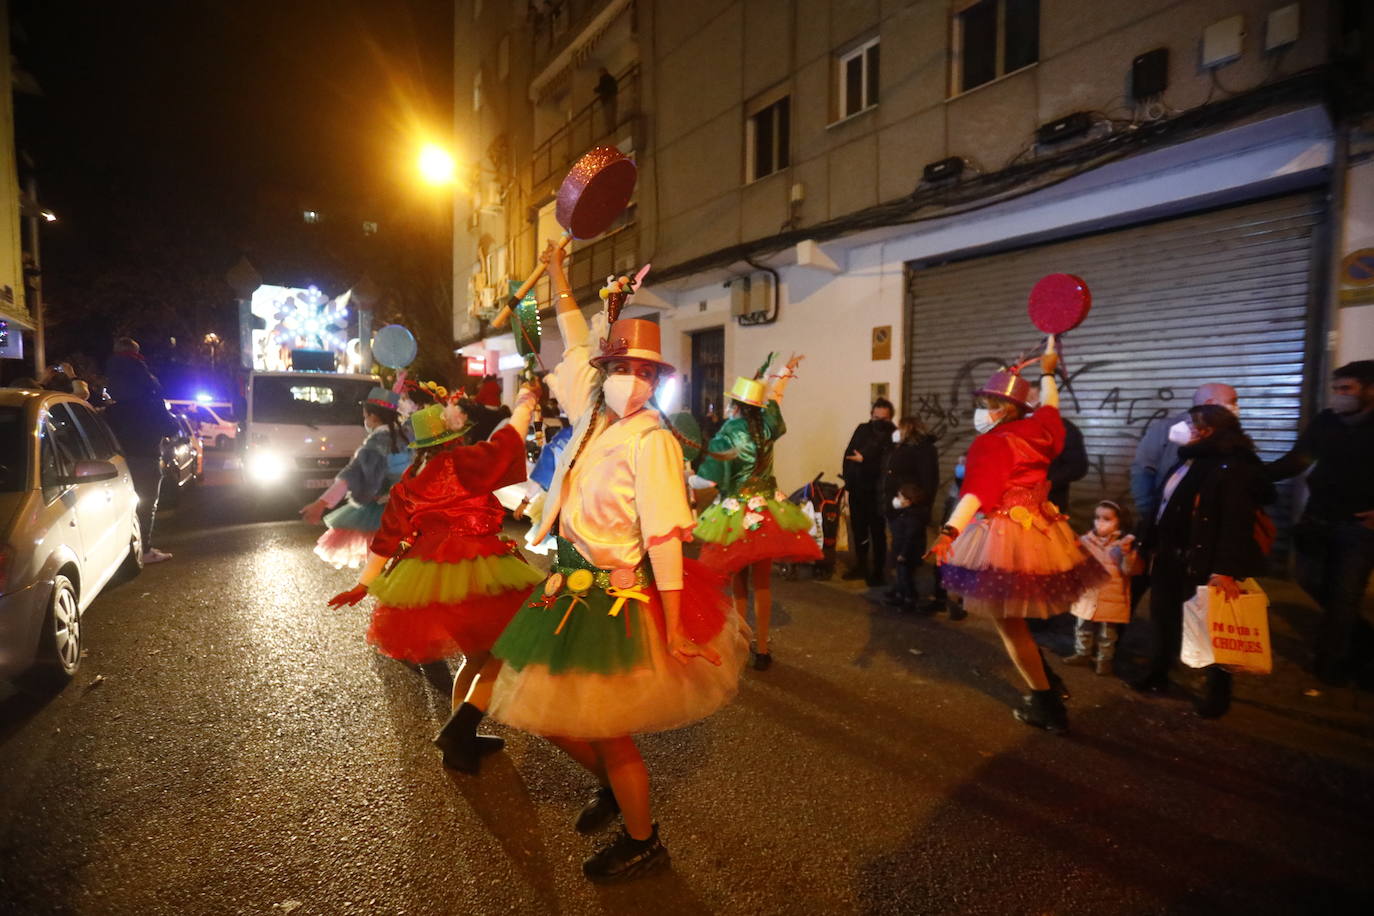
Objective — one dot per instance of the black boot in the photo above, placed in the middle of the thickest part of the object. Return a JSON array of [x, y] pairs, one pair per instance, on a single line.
[[1216, 695], [1043, 709], [1057, 684], [461, 744], [598, 813], [626, 858]]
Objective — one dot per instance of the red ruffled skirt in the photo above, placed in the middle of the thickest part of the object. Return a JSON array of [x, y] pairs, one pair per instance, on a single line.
[[736, 538]]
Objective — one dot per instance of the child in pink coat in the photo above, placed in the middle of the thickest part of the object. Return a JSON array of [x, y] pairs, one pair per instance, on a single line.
[[1101, 612]]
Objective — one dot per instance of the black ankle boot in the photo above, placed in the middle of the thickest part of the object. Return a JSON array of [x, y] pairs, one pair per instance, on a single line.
[[599, 813], [1057, 684], [1216, 695], [461, 744], [1044, 709], [626, 858]]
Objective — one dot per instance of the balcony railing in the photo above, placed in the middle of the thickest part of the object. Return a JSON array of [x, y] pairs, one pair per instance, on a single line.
[[598, 122]]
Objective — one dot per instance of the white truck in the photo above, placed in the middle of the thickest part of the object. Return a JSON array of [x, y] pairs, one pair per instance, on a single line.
[[301, 428]]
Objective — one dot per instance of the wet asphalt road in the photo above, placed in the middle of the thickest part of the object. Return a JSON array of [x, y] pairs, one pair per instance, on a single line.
[[230, 745]]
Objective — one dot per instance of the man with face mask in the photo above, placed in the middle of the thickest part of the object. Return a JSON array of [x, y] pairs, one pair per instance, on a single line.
[[1157, 450], [1335, 538], [863, 473]]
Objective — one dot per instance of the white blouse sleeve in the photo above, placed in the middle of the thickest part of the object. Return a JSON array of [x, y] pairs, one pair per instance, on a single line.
[[660, 493], [573, 381]]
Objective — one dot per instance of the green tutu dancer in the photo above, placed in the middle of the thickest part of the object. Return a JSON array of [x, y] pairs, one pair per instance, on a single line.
[[751, 525]]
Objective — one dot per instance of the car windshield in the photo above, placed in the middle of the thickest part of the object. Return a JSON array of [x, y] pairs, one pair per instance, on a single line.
[[312, 401], [14, 450]]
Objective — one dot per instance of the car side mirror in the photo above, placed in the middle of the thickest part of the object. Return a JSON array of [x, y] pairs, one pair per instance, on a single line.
[[90, 472]]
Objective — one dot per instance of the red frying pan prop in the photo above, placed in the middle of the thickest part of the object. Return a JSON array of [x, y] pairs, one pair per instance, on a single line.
[[1059, 303], [595, 192]]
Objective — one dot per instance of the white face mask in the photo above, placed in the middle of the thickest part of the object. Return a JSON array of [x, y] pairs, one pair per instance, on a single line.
[[983, 420], [625, 394], [1345, 403], [1181, 433], [1105, 527], [897, 436]]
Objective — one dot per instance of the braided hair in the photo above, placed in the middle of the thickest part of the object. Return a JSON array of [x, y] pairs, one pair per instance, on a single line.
[[597, 408]]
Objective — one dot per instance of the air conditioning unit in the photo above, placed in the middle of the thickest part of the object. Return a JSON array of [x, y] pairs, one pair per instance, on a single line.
[[751, 297]]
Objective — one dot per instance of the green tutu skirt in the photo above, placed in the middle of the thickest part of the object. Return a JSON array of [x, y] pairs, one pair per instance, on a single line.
[[574, 669]]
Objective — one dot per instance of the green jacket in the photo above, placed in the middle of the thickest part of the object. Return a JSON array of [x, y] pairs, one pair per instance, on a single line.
[[750, 472]]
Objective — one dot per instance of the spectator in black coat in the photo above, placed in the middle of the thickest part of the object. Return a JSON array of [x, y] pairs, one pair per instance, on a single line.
[[910, 478], [1068, 466], [1203, 534], [1335, 537], [863, 473], [140, 421]]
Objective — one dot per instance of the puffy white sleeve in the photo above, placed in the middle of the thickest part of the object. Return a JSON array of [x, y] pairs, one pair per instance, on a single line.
[[660, 493], [573, 381]]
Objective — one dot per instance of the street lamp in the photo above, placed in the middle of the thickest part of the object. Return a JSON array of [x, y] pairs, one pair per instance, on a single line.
[[436, 165]]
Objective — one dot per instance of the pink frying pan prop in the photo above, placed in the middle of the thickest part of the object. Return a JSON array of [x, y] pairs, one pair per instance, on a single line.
[[594, 193], [1059, 303]]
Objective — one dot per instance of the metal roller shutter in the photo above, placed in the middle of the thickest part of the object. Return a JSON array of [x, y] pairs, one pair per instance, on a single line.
[[1220, 296]]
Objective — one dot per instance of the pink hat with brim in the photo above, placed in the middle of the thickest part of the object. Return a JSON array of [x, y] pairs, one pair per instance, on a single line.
[[632, 338], [1007, 384]]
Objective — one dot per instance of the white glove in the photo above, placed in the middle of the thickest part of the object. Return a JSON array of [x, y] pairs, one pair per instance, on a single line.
[[900, 502]]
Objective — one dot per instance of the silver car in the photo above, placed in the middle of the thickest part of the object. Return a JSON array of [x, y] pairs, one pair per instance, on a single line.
[[68, 514]]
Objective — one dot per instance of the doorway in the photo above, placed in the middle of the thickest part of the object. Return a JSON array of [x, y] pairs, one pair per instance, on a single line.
[[708, 379]]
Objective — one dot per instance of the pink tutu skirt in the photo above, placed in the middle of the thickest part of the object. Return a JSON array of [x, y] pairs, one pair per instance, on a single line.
[[1027, 567]]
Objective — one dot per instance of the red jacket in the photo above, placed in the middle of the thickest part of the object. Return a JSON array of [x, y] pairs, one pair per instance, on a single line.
[[446, 510]]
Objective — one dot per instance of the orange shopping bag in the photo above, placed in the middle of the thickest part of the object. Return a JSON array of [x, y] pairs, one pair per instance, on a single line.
[[1234, 634]]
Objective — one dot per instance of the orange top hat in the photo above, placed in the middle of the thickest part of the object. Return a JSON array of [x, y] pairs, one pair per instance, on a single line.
[[632, 338]]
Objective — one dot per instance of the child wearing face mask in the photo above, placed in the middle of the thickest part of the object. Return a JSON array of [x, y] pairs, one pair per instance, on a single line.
[[366, 480], [1101, 612]]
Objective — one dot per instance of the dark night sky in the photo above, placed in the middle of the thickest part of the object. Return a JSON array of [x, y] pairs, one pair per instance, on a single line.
[[174, 114]]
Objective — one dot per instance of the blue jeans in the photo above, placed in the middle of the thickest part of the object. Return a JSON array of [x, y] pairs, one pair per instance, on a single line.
[[1335, 560]]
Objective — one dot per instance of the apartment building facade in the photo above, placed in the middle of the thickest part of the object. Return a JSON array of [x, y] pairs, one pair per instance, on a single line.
[[878, 184]]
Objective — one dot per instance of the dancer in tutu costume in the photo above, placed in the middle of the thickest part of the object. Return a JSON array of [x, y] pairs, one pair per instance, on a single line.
[[625, 636], [455, 582], [752, 525], [366, 479], [1019, 559]]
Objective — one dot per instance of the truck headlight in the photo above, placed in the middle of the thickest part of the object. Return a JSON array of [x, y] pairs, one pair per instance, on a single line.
[[266, 466]]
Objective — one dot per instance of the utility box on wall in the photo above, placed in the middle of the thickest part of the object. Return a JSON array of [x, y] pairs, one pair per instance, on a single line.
[[752, 297]]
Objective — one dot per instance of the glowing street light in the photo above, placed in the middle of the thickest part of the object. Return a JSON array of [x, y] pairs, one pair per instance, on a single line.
[[436, 165]]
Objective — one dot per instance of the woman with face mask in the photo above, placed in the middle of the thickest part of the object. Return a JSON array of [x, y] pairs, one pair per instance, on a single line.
[[625, 636], [445, 580], [366, 481], [751, 525], [1017, 559], [1203, 533]]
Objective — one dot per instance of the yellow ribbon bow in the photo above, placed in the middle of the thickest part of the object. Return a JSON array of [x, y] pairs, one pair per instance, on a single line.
[[621, 595]]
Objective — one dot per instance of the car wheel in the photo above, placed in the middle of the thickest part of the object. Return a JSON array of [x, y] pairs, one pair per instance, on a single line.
[[59, 650]]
